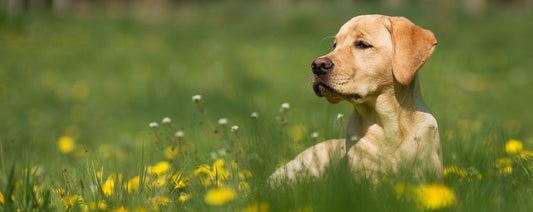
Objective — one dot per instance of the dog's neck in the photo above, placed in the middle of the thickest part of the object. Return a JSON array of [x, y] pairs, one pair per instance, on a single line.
[[385, 117]]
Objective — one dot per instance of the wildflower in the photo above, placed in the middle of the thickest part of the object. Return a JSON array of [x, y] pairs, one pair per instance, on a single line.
[[69, 201], [66, 144], [153, 125], [179, 134], [179, 181], [184, 197], [160, 200], [435, 196], [202, 170], [100, 205], [513, 146], [219, 196], [234, 128], [159, 168], [285, 106], [2, 199], [504, 166], [355, 138], [223, 121], [219, 171], [166, 120], [257, 207], [453, 169], [133, 184], [222, 152], [526, 154], [108, 186], [171, 152], [245, 174], [340, 116], [196, 98], [254, 115], [159, 181], [60, 191], [243, 185], [314, 135]]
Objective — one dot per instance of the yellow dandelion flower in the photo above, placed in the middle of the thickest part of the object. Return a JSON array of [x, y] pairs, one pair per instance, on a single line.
[[133, 184], [243, 185], [218, 170], [171, 152], [234, 165], [60, 191], [100, 205], [184, 197], [2, 199], [108, 186], [257, 207], [245, 174], [504, 166], [159, 168], [66, 144], [513, 146], [526, 154], [160, 200], [202, 170], [179, 181], [159, 181], [435, 196], [207, 182], [69, 201], [219, 196], [453, 169]]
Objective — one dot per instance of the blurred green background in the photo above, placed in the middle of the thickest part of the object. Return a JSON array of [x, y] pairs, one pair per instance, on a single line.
[[101, 71]]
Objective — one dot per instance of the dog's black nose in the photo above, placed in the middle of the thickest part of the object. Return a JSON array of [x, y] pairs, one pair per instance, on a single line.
[[322, 65]]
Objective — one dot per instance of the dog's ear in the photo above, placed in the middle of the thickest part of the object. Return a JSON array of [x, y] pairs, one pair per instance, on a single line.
[[412, 46]]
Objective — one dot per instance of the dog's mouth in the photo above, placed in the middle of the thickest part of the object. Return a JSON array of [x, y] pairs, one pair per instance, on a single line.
[[332, 95]]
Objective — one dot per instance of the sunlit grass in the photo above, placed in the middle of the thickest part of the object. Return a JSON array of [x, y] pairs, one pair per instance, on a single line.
[[100, 111]]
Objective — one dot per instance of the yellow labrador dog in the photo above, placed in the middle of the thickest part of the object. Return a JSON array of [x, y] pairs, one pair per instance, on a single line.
[[374, 65]]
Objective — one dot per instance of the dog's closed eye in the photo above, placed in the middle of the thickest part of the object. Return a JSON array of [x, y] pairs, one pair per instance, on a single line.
[[362, 45]]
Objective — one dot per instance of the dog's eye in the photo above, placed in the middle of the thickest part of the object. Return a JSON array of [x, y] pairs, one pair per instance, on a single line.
[[362, 45], [334, 45]]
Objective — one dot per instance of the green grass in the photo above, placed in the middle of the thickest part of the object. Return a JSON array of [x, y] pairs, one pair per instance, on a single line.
[[101, 77]]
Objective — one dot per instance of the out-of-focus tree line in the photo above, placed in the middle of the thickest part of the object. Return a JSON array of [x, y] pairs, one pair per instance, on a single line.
[[21, 6]]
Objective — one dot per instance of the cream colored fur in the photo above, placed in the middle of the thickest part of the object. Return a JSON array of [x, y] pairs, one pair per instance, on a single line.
[[391, 130]]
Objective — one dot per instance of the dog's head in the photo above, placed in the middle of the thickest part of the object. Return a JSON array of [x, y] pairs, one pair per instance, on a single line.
[[370, 52]]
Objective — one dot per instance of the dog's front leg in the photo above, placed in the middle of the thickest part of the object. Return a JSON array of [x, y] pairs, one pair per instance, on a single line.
[[310, 163]]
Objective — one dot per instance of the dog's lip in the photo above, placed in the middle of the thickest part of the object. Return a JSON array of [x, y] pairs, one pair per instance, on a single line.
[[318, 92]]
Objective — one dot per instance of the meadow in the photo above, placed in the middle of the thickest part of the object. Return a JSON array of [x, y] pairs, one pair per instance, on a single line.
[[193, 106]]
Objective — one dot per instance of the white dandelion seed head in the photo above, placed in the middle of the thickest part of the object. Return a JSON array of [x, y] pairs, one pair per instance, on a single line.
[[285, 106], [153, 125], [223, 121], [340, 116], [213, 155], [254, 115], [354, 138], [196, 98], [314, 135], [234, 128], [179, 134], [222, 152], [166, 120]]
